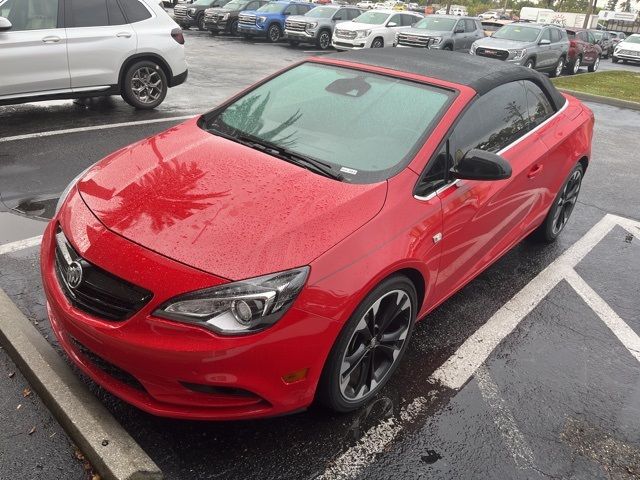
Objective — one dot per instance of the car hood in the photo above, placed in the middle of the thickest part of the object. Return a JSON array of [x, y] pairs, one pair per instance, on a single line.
[[629, 46], [215, 10], [302, 18], [222, 207], [490, 42], [426, 33], [356, 26]]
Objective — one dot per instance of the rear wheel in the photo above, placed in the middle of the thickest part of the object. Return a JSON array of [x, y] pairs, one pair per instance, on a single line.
[[144, 85], [449, 48], [377, 43], [556, 72], [370, 346], [562, 207], [200, 22], [274, 33], [596, 64], [575, 66]]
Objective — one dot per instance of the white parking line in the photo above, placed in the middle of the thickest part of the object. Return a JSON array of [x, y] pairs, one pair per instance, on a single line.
[[93, 127], [470, 356], [20, 245], [513, 439]]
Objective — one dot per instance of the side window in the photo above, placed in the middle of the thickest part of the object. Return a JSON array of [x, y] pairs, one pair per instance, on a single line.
[[87, 13], [397, 19], [546, 34], [116, 17], [290, 10], [302, 9], [340, 14], [353, 13], [30, 15], [592, 39], [495, 120], [470, 25], [538, 104], [407, 20], [556, 36], [582, 36], [459, 26], [134, 10]]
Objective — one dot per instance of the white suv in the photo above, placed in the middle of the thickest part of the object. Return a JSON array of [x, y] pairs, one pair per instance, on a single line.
[[53, 49], [372, 29]]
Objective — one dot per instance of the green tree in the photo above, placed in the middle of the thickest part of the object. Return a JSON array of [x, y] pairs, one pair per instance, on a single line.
[[611, 5]]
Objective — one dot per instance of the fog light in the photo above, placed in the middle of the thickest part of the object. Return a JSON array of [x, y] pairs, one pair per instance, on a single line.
[[242, 311], [295, 376]]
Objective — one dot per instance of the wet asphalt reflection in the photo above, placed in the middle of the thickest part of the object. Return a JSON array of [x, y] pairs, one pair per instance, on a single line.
[[558, 397]]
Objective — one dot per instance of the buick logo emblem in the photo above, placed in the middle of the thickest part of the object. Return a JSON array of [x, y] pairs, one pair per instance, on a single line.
[[74, 275]]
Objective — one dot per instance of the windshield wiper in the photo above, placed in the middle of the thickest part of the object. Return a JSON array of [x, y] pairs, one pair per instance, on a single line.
[[309, 163]]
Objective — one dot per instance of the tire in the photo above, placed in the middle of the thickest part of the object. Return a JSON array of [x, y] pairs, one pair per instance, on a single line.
[[324, 40], [557, 71], [624, 61], [596, 64], [343, 392], [377, 43], [200, 22], [144, 85], [574, 67], [294, 43], [274, 34], [531, 63], [614, 59], [233, 28], [448, 48], [562, 207]]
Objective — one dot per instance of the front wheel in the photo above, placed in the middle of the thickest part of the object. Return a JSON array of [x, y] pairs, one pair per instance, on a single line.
[[370, 346], [377, 43], [274, 33], [200, 22], [324, 40], [144, 85], [562, 207], [596, 64], [233, 28], [530, 63]]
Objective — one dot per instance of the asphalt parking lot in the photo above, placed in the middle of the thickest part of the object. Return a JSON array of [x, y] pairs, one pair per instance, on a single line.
[[558, 397]]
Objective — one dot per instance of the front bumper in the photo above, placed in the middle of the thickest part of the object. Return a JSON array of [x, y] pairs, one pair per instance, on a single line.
[[185, 21], [306, 36], [627, 56], [351, 44], [216, 25], [252, 30], [168, 368]]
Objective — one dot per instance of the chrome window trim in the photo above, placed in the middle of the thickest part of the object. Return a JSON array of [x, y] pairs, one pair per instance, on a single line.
[[508, 147]]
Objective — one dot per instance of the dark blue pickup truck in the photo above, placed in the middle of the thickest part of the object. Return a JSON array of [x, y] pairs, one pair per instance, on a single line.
[[268, 20]]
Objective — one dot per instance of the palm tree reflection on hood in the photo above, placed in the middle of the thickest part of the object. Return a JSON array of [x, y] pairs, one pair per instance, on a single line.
[[165, 194], [247, 118]]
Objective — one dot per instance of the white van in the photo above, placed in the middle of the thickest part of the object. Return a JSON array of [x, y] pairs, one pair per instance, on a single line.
[[530, 14]]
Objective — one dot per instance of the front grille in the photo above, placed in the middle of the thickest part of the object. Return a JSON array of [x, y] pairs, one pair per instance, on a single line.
[[248, 20], [180, 12], [632, 53], [98, 292], [107, 367], [492, 53], [294, 26], [348, 34], [409, 40]]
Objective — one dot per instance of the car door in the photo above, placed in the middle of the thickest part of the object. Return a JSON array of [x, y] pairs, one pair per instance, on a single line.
[[469, 33], [545, 55], [459, 40], [33, 52], [592, 48], [99, 40], [393, 25], [557, 44], [482, 219]]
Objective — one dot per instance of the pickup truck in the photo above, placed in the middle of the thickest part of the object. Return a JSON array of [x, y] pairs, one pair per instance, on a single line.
[[268, 20], [316, 26]]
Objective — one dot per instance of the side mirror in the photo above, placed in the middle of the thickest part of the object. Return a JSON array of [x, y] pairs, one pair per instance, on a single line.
[[392, 24], [459, 30], [480, 165], [4, 24], [544, 41]]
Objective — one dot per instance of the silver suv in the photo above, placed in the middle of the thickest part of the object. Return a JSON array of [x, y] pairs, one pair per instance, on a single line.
[[542, 47], [445, 32], [316, 26]]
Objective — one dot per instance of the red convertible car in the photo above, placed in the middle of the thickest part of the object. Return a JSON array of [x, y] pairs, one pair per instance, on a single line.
[[280, 248]]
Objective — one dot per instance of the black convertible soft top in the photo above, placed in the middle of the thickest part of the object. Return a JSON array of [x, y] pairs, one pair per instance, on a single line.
[[480, 73]]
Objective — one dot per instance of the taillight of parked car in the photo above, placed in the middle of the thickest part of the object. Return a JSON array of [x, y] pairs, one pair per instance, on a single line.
[[177, 35]]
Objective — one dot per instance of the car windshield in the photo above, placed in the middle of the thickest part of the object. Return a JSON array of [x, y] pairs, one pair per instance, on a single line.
[[372, 18], [321, 12], [272, 8], [633, 39], [235, 5], [518, 33], [436, 24], [364, 126]]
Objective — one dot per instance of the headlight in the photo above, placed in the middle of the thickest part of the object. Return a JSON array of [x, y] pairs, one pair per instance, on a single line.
[[239, 307], [436, 41], [518, 53], [363, 33], [312, 25], [262, 19], [225, 16], [65, 192], [191, 11]]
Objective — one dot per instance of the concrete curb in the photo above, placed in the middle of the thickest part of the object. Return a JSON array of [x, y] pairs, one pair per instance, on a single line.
[[83, 417], [614, 102]]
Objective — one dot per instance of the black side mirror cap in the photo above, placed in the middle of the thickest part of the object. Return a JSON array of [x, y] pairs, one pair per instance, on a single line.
[[481, 165]]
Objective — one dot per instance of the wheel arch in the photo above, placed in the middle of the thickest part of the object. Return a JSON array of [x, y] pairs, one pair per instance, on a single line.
[[145, 56], [584, 161]]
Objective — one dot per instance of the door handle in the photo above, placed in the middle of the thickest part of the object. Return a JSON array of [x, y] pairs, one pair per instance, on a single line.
[[51, 39], [535, 171], [123, 35]]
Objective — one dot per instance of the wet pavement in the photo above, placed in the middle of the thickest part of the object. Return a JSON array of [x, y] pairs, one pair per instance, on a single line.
[[559, 397]]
